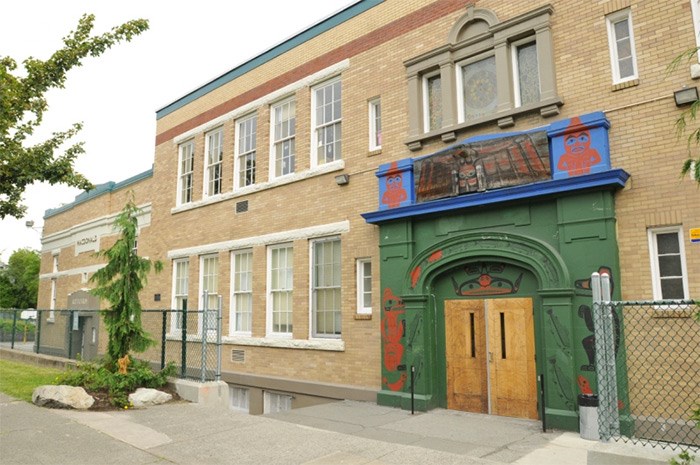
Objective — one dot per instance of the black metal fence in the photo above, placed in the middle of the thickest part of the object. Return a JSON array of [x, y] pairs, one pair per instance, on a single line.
[[656, 374], [189, 339]]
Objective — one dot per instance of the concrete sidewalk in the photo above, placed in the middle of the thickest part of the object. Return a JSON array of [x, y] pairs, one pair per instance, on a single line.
[[336, 433]]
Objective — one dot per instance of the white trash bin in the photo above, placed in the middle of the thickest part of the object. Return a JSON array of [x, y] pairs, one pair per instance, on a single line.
[[588, 416]]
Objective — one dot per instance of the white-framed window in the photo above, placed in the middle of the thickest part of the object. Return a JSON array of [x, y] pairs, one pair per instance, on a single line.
[[276, 403], [375, 124], [280, 285], [55, 263], [241, 292], [240, 399], [364, 286], [668, 267], [432, 101], [695, 9], [52, 302], [326, 122], [246, 146], [526, 76], [181, 270], [478, 95], [623, 58], [326, 279], [185, 173], [209, 282], [214, 159], [283, 139]]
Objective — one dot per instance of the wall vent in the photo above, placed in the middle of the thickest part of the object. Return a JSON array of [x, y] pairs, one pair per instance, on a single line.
[[238, 355], [242, 207]]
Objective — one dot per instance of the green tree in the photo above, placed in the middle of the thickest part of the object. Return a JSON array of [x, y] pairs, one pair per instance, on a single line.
[[19, 282], [119, 283], [687, 118], [22, 106]]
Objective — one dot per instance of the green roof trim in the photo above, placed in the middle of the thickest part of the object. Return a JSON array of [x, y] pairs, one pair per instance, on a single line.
[[317, 29], [100, 189]]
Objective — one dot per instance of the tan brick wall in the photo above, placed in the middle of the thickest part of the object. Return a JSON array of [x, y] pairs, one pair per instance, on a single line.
[[642, 142]]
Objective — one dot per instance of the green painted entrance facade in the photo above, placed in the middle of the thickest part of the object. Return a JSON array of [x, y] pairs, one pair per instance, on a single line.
[[544, 250]]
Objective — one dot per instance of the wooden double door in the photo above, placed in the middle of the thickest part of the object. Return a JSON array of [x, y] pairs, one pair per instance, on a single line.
[[490, 351]]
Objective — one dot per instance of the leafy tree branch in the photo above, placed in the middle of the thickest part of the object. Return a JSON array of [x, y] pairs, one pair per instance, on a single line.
[[22, 107], [689, 116]]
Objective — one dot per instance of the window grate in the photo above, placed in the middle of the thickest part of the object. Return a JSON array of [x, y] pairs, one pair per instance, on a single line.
[[238, 355], [242, 207]]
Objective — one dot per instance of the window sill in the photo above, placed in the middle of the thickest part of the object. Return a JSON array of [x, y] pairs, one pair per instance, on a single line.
[[337, 165], [332, 345], [374, 152], [504, 119], [625, 84], [362, 316]]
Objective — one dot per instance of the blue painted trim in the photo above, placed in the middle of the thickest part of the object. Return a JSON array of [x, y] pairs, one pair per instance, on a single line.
[[315, 30], [100, 189], [615, 178], [401, 166], [590, 120]]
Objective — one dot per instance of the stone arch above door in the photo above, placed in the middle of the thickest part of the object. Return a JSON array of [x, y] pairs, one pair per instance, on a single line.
[[539, 257]]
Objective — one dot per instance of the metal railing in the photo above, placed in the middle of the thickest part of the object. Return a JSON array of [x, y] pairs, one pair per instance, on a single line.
[[189, 339], [648, 369]]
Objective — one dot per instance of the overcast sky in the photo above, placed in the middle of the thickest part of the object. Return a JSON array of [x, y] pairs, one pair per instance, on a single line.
[[117, 94]]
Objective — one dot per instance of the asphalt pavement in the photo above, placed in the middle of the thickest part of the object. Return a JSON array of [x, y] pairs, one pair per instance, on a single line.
[[344, 432]]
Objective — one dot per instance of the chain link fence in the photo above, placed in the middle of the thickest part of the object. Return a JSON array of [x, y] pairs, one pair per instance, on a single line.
[[189, 339], [648, 367]]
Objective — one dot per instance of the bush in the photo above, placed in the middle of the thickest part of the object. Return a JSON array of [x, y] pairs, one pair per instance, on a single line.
[[6, 326], [96, 377]]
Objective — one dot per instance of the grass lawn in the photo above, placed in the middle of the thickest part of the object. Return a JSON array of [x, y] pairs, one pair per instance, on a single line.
[[19, 379]]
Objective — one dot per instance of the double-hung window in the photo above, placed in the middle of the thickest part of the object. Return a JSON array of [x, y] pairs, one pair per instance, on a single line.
[[283, 138], [213, 169], [375, 124], [242, 292], [364, 286], [185, 173], [325, 288], [181, 269], [668, 268], [209, 285], [623, 59], [280, 285], [247, 130], [52, 303], [326, 121]]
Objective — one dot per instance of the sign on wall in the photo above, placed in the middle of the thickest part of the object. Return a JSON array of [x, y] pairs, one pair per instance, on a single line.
[[695, 235], [87, 243]]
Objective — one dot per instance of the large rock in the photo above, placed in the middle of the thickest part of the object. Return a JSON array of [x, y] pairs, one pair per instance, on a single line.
[[143, 397], [62, 397]]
